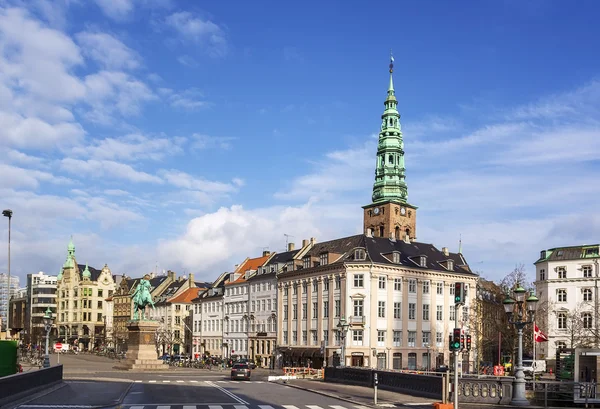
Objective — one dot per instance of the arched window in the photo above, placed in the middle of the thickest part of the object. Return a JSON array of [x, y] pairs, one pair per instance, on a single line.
[[391, 159], [381, 234], [407, 232], [397, 233]]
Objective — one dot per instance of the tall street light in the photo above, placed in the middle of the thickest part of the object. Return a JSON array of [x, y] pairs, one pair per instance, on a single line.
[[520, 312], [343, 328], [47, 326], [8, 213]]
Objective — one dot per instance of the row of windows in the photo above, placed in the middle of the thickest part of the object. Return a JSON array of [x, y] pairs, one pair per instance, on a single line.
[[561, 272], [315, 310], [315, 286], [561, 294], [85, 316], [563, 320], [357, 338], [85, 292], [359, 282]]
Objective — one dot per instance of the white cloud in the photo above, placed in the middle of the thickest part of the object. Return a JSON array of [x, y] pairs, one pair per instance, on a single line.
[[116, 9], [200, 141], [201, 31], [131, 147], [186, 181], [108, 51], [106, 169], [22, 132], [188, 99]]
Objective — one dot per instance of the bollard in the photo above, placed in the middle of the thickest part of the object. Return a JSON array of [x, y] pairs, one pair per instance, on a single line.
[[375, 383]]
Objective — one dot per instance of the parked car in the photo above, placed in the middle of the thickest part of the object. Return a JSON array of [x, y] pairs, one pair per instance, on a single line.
[[251, 364], [240, 371]]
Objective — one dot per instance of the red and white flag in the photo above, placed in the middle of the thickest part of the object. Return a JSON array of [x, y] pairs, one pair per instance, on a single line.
[[538, 334]]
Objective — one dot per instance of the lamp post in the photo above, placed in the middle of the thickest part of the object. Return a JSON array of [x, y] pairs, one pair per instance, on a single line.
[[343, 328], [8, 213], [520, 312], [47, 326]]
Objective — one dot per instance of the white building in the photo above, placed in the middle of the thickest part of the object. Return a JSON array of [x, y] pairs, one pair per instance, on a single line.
[[567, 286], [237, 317], [41, 295], [207, 318]]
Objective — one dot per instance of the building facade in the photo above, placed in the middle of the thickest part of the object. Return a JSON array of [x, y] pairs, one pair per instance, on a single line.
[[237, 313], [262, 335], [19, 316], [41, 295], [81, 307], [207, 319], [567, 286]]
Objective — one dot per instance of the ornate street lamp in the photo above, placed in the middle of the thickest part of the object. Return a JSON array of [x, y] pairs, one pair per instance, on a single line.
[[8, 213], [520, 312], [343, 328], [47, 326]]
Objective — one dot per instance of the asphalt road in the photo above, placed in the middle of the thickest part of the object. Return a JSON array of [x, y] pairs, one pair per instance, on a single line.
[[184, 395]]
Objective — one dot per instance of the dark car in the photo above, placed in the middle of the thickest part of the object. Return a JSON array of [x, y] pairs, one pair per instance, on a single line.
[[251, 364], [240, 371]]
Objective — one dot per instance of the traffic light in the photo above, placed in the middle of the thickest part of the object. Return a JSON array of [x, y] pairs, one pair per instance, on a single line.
[[459, 293], [455, 340], [468, 342], [462, 342]]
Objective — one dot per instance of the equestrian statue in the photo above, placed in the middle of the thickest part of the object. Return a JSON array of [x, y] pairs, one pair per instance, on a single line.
[[142, 298]]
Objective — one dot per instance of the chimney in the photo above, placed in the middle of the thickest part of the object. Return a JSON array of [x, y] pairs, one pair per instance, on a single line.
[[171, 275], [291, 246], [304, 243], [445, 251], [313, 241], [152, 275], [191, 280], [266, 253]]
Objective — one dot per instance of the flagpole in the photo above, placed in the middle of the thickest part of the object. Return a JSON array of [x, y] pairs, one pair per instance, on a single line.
[[534, 363]]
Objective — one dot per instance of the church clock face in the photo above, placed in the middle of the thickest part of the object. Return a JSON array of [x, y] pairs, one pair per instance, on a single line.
[[403, 211], [376, 211]]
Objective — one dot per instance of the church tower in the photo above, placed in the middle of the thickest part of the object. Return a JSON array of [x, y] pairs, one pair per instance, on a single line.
[[390, 215]]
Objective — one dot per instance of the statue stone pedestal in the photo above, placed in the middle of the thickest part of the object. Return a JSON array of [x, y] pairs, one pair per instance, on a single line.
[[141, 353]]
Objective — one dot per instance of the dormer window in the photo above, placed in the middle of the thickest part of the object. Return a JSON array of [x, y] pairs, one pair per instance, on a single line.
[[396, 257], [360, 254], [324, 259], [423, 261], [543, 254], [450, 264], [306, 262], [272, 269]]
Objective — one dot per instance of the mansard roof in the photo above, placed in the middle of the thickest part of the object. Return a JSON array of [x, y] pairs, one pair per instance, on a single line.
[[585, 251], [277, 258], [95, 273]]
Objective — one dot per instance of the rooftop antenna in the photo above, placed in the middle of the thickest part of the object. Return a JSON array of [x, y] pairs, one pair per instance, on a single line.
[[287, 240]]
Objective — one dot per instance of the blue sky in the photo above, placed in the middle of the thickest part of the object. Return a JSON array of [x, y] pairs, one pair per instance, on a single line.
[[159, 133]]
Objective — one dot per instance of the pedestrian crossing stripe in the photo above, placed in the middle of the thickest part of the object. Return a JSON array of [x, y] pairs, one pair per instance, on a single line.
[[232, 406], [194, 381]]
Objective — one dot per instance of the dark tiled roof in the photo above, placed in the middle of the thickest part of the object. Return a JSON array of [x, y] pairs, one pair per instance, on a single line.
[[169, 292], [338, 246], [157, 280], [278, 258], [378, 247], [202, 284], [94, 272]]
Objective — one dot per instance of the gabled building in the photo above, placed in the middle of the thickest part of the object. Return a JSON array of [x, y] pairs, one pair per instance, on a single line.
[[81, 293], [237, 316], [262, 335], [394, 294], [207, 318]]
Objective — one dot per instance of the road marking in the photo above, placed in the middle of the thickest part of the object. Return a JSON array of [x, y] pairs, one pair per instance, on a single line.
[[139, 381], [361, 407], [194, 381], [259, 382], [180, 381], [152, 381], [240, 406], [337, 407], [215, 407], [228, 393], [166, 382], [189, 407], [313, 407], [290, 406], [163, 407], [266, 407], [136, 407]]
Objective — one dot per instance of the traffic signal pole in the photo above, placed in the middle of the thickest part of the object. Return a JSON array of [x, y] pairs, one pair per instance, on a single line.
[[455, 391]]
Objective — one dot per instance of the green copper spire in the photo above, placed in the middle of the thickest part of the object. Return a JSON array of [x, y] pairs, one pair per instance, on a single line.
[[59, 277], [86, 273], [389, 173]]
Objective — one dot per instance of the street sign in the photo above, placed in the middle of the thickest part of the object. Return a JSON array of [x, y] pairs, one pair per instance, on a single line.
[[58, 346]]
